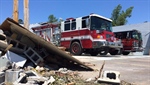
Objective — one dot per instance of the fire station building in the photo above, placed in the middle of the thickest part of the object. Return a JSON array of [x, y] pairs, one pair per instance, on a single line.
[[144, 28]]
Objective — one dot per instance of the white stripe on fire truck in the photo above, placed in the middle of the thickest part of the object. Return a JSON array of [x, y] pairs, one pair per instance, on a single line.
[[81, 37]]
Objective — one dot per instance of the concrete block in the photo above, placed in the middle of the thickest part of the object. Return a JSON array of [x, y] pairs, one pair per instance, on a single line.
[[17, 44], [43, 53], [110, 77], [11, 76], [33, 56]]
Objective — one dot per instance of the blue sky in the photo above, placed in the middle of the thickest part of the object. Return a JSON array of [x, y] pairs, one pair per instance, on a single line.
[[41, 9]]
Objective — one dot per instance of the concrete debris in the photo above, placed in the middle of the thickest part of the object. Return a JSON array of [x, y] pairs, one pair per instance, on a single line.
[[110, 77], [26, 58], [28, 47], [21, 79], [50, 81], [11, 76], [63, 70], [43, 76], [39, 69], [33, 77]]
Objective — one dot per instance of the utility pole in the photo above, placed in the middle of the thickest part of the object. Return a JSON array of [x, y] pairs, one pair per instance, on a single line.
[[15, 10], [26, 14]]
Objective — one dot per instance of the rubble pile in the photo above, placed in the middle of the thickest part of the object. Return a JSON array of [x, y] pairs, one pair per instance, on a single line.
[[23, 43], [21, 48], [43, 76]]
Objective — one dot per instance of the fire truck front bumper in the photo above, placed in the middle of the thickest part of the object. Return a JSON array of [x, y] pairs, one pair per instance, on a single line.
[[137, 49], [99, 44]]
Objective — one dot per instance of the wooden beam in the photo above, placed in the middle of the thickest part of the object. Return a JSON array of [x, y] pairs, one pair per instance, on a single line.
[[15, 10], [26, 14]]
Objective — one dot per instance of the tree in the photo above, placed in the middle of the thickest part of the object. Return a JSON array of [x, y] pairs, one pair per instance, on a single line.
[[52, 18], [61, 20], [20, 21], [119, 17]]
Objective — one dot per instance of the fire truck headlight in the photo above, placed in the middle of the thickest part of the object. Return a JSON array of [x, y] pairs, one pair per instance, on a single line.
[[97, 31], [99, 36]]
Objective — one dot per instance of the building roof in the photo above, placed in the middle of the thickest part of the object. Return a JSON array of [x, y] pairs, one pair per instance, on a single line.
[[142, 27]]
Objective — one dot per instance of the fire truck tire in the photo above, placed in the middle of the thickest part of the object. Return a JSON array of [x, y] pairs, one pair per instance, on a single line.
[[75, 48], [103, 52], [125, 53], [94, 53], [115, 52]]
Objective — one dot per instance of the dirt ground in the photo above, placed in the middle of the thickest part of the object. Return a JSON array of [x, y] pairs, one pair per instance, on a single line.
[[133, 69]]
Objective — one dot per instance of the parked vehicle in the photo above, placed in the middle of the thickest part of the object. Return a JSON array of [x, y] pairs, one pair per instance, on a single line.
[[90, 34], [131, 40]]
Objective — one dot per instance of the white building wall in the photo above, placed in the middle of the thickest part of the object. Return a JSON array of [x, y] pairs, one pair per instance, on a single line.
[[147, 48]]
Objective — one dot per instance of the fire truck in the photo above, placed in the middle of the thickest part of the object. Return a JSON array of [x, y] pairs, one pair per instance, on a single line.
[[91, 34], [131, 40]]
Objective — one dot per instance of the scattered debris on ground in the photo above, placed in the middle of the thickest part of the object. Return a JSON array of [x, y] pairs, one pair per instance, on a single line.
[[43, 76]]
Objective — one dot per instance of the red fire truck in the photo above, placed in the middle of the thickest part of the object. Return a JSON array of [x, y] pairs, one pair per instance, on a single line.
[[90, 34], [131, 40]]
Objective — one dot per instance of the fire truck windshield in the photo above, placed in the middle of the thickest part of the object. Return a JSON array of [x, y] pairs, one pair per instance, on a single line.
[[140, 36], [136, 35], [98, 23]]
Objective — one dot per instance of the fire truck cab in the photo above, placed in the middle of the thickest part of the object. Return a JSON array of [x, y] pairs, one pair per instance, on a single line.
[[131, 40], [90, 34]]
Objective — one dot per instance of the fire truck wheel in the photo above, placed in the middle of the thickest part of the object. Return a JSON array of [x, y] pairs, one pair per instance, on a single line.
[[125, 53], [94, 53], [75, 48], [114, 52], [104, 52]]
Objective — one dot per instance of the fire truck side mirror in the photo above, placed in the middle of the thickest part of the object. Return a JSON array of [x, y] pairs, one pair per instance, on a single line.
[[128, 36]]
